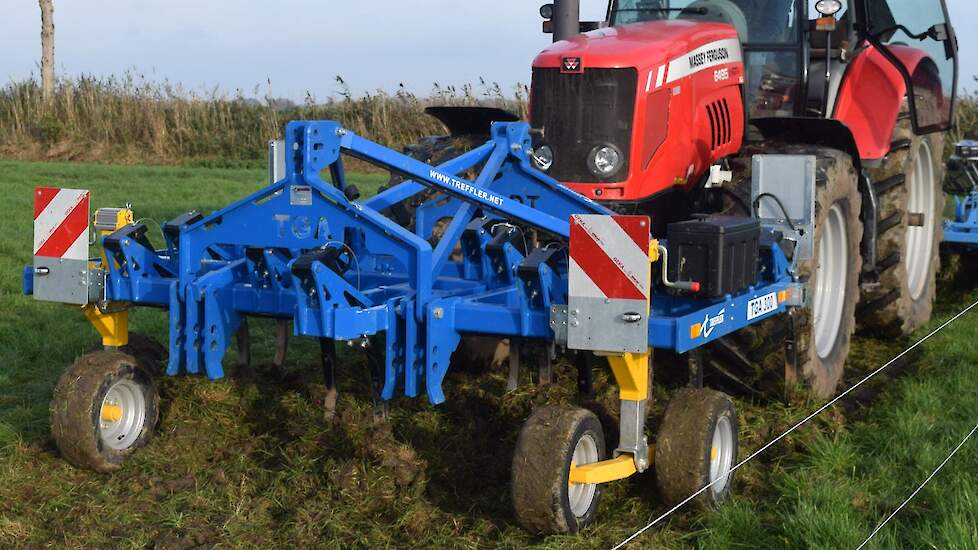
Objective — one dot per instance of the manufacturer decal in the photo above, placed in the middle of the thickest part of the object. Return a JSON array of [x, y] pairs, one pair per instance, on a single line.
[[762, 306], [571, 65], [706, 328], [714, 54], [466, 188]]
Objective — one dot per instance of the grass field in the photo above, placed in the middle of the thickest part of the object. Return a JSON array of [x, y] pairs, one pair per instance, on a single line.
[[251, 461]]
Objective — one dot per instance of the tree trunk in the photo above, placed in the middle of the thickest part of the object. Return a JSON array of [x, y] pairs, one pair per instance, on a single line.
[[47, 49]]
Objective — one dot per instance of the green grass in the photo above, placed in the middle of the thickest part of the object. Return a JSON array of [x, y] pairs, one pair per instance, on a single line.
[[252, 461]]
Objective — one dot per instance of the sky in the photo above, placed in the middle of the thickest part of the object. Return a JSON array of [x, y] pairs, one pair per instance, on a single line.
[[300, 46]]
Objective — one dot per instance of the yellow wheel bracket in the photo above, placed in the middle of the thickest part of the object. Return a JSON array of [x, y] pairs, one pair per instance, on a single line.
[[111, 413], [620, 467]]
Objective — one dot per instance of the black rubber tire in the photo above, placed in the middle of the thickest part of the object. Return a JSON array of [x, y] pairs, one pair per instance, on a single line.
[[541, 466], [757, 355], [76, 409], [684, 446], [889, 308]]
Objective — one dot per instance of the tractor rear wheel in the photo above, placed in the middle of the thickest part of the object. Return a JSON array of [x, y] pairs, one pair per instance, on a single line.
[[105, 407], [909, 183], [759, 356]]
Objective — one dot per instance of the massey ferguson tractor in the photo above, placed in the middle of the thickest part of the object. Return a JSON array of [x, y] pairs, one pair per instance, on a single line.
[[743, 183]]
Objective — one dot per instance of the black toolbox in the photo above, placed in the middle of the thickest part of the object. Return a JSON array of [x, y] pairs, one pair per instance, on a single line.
[[719, 252]]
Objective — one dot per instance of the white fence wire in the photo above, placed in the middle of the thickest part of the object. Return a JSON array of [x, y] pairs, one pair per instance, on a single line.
[[922, 485], [790, 430]]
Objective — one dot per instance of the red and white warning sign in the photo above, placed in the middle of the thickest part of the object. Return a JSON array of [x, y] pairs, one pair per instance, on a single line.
[[610, 283], [61, 223]]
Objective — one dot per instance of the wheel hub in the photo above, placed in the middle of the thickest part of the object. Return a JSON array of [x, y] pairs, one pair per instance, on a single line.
[[830, 277], [920, 236], [122, 415], [721, 455], [581, 495]]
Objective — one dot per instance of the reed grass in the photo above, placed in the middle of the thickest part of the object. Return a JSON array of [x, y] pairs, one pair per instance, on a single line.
[[130, 119]]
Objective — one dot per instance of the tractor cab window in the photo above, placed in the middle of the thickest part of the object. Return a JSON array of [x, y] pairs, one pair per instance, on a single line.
[[920, 27], [757, 21]]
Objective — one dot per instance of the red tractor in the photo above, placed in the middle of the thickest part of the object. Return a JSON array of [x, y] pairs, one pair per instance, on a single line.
[[663, 107], [823, 118]]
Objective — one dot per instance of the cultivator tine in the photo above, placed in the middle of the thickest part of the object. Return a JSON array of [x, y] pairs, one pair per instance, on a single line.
[[695, 360], [376, 364], [244, 344], [281, 342], [545, 365], [513, 381], [585, 375], [327, 353]]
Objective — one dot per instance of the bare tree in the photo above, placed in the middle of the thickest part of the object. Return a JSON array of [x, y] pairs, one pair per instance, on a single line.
[[47, 48]]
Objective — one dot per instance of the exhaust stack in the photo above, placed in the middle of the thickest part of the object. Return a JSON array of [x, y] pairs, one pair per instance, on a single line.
[[567, 19]]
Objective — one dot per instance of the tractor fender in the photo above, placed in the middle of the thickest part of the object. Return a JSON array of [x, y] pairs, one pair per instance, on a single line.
[[470, 120], [872, 95], [811, 131]]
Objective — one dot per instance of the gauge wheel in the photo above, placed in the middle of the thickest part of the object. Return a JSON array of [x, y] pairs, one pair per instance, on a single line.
[[911, 211], [697, 447], [105, 407], [551, 441]]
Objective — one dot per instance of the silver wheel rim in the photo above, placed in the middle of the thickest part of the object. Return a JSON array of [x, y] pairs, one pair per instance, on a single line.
[[830, 277], [122, 415], [920, 240], [581, 495], [721, 456]]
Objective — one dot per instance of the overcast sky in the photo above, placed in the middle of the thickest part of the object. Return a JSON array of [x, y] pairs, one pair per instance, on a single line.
[[301, 45]]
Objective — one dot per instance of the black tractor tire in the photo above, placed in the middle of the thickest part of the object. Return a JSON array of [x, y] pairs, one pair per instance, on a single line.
[[892, 308], [759, 357], [148, 350], [685, 451], [541, 469], [77, 415]]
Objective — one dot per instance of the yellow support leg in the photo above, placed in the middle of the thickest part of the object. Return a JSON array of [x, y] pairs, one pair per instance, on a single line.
[[631, 371], [112, 327]]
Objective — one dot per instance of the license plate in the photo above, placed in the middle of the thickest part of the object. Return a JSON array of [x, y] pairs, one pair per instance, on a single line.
[[762, 306]]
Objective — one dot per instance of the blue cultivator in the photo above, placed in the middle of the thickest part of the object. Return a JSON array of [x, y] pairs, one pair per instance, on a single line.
[[961, 233], [517, 255]]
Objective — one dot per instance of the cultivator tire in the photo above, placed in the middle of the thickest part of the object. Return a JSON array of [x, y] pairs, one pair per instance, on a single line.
[[551, 440], [697, 445], [782, 354], [908, 258], [105, 407]]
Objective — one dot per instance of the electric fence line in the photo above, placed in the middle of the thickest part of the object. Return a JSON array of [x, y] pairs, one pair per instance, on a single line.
[[793, 428], [922, 485]]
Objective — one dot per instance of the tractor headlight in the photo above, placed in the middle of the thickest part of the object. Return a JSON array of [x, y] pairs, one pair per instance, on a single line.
[[605, 160], [828, 8], [543, 157]]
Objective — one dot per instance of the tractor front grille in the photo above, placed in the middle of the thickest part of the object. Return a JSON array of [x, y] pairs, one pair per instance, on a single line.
[[578, 112]]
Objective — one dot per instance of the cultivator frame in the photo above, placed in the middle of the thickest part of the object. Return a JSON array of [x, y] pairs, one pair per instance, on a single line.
[[961, 233], [300, 249]]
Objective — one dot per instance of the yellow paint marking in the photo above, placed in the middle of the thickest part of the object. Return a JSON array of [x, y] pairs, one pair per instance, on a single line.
[[111, 413], [714, 453]]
